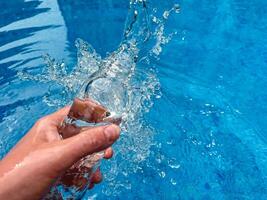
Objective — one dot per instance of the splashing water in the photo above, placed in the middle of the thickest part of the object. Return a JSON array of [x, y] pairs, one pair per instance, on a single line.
[[133, 92]]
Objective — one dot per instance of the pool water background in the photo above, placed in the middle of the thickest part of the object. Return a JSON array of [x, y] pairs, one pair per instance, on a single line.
[[210, 123]]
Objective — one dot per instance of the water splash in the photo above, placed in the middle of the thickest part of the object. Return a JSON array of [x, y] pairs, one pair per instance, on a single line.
[[133, 94]]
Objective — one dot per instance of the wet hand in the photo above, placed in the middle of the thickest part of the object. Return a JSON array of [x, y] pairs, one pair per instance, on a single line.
[[41, 157]]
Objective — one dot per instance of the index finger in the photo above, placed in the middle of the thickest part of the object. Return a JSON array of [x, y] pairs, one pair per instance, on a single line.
[[60, 115]]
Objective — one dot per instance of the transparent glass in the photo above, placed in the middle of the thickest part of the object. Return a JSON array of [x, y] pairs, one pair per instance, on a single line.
[[103, 99], [84, 112]]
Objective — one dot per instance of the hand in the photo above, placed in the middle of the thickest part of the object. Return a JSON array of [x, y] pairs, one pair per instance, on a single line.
[[41, 156]]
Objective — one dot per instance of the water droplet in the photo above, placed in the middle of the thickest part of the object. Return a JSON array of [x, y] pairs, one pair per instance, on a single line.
[[177, 8], [162, 174], [166, 14], [173, 181]]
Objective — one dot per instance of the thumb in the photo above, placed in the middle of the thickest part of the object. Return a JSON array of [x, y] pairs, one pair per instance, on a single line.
[[90, 141]]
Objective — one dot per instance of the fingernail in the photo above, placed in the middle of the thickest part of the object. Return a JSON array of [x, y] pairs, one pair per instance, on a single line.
[[112, 132]]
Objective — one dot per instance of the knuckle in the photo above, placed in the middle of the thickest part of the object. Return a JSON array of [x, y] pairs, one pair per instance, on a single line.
[[94, 142], [88, 144], [39, 122], [42, 122], [43, 119]]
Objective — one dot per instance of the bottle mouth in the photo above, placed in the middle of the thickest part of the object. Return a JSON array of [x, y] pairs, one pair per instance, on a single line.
[[113, 118], [108, 114]]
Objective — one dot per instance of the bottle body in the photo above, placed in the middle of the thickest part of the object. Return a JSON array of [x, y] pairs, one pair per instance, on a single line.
[[84, 114]]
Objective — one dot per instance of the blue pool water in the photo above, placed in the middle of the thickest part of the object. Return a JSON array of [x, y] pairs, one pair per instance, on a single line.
[[207, 135]]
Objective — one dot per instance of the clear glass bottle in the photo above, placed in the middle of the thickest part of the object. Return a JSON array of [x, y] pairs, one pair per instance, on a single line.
[[94, 108], [102, 100]]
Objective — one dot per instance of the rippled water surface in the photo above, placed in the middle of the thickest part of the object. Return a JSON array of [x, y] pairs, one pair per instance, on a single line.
[[195, 120]]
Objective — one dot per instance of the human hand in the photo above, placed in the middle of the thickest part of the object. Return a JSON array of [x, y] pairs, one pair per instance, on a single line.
[[41, 156]]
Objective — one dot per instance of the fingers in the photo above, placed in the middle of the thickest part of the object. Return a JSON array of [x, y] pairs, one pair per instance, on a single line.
[[97, 177], [91, 186], [108, 153], [91, 141], [87, 110]]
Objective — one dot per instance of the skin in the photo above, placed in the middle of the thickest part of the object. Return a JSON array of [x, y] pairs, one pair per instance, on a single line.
[[31, 168]]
